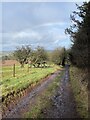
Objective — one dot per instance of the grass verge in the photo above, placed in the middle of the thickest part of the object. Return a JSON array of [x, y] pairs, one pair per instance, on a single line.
[[79, 85]]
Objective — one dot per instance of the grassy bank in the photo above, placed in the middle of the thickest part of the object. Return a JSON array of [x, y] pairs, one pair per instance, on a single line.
[[23, 78], [14, 88], [79, 85], [44, 101]]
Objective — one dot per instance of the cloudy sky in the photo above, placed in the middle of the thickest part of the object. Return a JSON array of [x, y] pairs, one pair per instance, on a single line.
[[35, 23]]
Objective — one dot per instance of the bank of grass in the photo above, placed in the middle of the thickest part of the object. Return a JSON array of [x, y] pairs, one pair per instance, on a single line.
[[79, 85], [43, 101], [23, 79]]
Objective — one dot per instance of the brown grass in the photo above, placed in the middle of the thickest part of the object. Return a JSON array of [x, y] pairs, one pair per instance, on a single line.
[[8, 62], [79, 86]]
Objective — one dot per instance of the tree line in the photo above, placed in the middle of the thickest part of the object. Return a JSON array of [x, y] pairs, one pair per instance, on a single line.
[[80, 35], [38, 57]]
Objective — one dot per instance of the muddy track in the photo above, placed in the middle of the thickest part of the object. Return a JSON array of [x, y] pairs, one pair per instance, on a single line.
[[24, 104], [63, 102]]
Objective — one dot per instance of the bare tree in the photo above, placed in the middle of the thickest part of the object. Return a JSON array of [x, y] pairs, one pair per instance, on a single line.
[[22, 54]]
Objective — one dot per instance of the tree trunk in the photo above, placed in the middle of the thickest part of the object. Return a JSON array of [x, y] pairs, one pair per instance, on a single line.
[[22, 65]]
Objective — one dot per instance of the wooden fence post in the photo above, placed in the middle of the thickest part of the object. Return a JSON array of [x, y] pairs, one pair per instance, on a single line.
[[28, 67], [14, 70]]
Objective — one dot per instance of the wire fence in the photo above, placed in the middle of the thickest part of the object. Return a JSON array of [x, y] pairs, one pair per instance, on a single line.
[[14, 71]]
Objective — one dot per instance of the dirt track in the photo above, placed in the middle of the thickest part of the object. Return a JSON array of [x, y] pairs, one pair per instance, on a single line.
[[63, 105], [23, 104]]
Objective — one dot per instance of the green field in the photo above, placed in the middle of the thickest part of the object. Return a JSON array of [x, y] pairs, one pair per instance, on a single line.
[[23, 78]]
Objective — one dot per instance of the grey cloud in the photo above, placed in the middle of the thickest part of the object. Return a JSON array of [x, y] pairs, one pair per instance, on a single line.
[[31, 14], [48, 35]]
